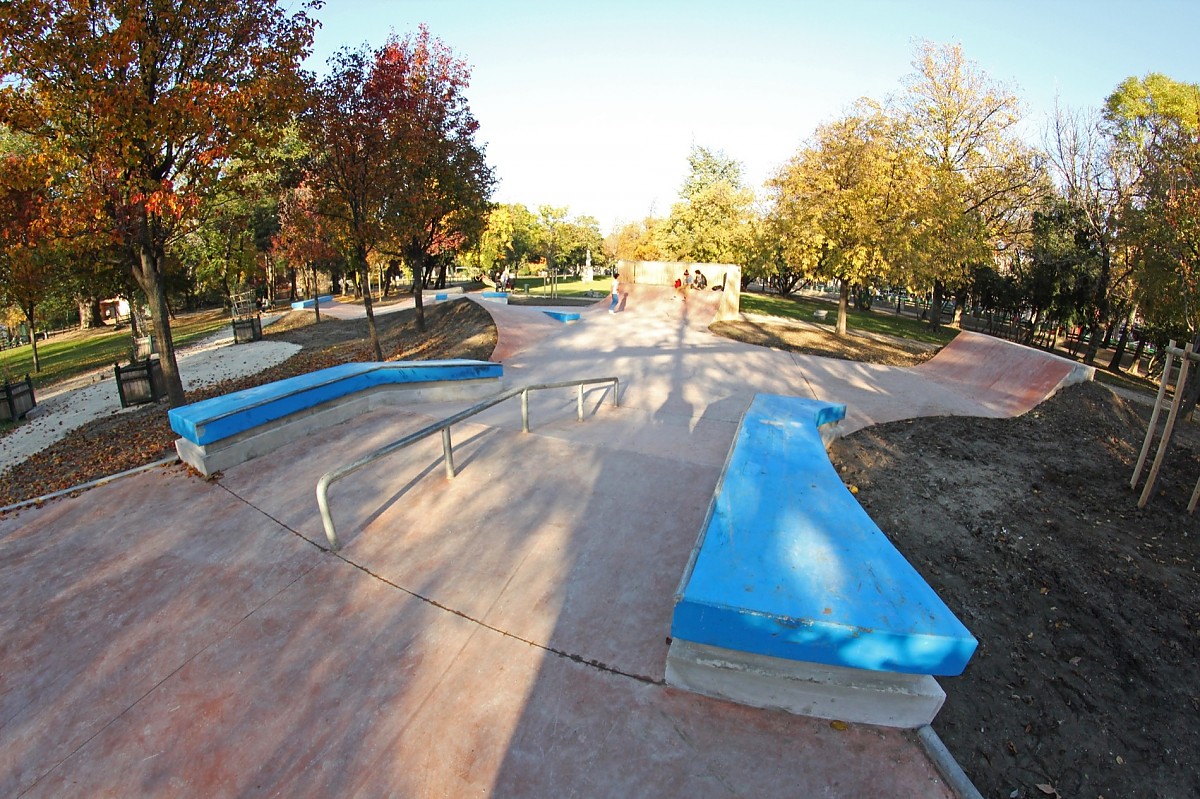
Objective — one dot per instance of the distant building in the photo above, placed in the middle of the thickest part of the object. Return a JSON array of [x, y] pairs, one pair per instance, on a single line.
[[114, 311]]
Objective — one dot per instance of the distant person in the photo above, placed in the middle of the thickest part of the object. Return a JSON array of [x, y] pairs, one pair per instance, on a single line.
[[615, 291], [686, 283], [699, 281], [504, 279]]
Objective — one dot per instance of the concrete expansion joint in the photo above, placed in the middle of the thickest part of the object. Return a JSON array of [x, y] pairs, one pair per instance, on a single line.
[[280, 522], [574, 657]]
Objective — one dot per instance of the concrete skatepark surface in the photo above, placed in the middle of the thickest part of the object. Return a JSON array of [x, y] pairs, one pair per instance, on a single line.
[[502, 633]]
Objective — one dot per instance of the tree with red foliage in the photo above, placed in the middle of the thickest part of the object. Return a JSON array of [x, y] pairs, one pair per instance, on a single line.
[[304, 236], [396, 158], [155, 97]]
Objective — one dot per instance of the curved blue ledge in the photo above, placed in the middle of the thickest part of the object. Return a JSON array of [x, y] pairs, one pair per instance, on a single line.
[[789, 565]]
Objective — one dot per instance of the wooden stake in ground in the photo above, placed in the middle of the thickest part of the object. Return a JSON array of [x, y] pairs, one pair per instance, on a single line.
[[1165, 441], [1158, 401]]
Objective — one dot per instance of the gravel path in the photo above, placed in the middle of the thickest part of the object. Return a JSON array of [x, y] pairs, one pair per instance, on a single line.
[[66, 406]]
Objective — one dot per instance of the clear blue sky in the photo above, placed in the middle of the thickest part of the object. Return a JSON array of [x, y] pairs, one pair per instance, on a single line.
[[595, 105]]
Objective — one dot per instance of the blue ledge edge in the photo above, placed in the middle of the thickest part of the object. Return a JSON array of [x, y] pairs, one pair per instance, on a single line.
[[221, 417], [789, 565], [300, 304], [563, 316]]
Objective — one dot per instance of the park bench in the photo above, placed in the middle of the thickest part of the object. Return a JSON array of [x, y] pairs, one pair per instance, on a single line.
[[16, 399], [221, 432], [793, 597]]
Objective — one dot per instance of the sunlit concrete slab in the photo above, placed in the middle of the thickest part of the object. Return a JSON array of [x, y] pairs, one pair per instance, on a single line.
[[503, 633], [516, 615]]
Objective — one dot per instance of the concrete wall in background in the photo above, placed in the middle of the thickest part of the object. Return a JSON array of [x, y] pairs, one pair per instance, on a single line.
[[665, 273]]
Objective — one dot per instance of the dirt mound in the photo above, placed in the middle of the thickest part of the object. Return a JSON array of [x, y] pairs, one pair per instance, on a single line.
[[1084, 606]]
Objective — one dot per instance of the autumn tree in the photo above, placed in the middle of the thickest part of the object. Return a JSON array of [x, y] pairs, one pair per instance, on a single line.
[[443, 199], [30, 244], [983, 180], [304, 237], [640, 241], [156, 96], [395, 159], [845, 204]]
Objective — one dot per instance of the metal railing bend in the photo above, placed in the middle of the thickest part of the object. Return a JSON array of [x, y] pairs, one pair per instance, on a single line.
[[331, 477]]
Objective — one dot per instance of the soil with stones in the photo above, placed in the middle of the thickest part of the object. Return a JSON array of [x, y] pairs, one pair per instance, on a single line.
[[123, 441], [1086, 608]]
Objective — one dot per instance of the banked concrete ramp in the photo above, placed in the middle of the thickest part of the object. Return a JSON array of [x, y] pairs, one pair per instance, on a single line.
[[1005, 378]]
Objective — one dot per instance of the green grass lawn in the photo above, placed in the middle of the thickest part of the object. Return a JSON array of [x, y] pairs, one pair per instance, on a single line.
[[71, 354], [567, 286], [803, 308]]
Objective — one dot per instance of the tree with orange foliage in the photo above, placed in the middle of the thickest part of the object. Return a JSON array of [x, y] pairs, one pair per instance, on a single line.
[[304, 237], [154, 96], [28, 249]]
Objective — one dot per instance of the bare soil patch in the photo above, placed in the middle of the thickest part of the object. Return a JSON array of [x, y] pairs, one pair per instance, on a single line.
[[124, 441], [1085, 681]]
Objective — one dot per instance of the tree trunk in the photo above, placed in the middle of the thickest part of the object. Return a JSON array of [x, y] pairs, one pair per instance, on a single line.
[[316, 293], [935, 307], [843, 301], [30, 319], [1135, 367], [1115, 364], [364, 273], [1089, 355], [148, 273], [416, 261]]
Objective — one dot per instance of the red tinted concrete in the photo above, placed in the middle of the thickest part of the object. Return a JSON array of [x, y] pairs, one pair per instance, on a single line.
[[1005, 378], [503, 633]]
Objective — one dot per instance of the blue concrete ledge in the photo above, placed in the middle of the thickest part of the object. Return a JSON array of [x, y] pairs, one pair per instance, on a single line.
[[219, 418], [302, 304], [790, 566], [563, 316], [495, 295]]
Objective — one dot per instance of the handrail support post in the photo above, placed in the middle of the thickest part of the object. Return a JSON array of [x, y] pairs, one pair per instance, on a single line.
[[448, 452], [525, 411]]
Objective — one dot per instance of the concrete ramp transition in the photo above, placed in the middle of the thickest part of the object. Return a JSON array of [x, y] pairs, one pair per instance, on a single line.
[[1006, 379]]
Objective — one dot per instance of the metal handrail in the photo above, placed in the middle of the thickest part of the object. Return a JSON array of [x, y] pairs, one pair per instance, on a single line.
[[329, 478]]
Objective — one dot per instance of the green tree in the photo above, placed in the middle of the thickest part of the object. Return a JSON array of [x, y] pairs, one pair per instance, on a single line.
[[712, 221], [844, 205], [1154, 123]]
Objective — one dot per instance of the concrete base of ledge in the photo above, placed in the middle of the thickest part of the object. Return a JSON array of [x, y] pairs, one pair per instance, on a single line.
[[270, 436], [886, 699]]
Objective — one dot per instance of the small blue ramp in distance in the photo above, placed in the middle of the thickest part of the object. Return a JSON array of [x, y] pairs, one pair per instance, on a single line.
[[790, 566], [302, 304], [563, 316]]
